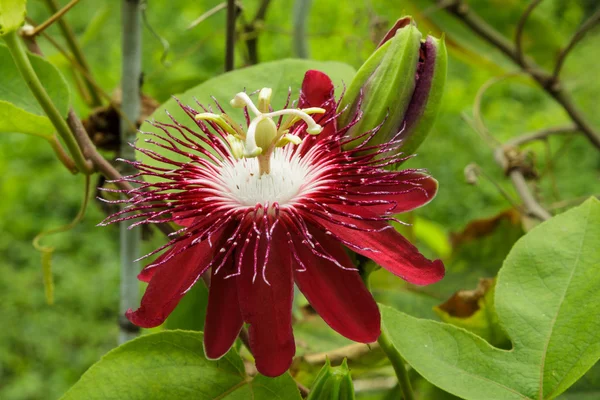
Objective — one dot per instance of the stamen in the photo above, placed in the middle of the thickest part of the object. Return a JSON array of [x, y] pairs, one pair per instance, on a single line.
[[219, 120], [251, 149], [288, 138], [312, 127], [263, 134], [242, 100]]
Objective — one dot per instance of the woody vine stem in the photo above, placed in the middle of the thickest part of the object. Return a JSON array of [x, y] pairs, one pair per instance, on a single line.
[[130, 239]]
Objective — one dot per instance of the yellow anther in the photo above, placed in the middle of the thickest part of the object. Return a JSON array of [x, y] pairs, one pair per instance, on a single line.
[[287, 138]]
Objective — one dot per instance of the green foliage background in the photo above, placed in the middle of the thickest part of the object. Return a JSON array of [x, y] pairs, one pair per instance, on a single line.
[[46, 348]]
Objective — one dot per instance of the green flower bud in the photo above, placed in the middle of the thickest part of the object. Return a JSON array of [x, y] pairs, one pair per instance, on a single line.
[[333, 383], [401, 83]]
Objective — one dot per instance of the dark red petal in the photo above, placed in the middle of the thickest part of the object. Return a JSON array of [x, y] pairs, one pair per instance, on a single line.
[[169, 282], [418, 190], [386, 247], [268, 307], [223, 316], [181, 220], [317, 89], [338, 295], [401, 23], [148, 272]]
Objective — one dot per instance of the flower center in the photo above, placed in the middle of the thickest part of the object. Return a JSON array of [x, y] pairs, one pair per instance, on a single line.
[[281, 185], [262, 135]]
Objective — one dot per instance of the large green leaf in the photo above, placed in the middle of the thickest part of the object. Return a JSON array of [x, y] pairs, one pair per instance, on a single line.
[[19, 110], [172, 365], [278, 75], [547, 300], [12, 15]]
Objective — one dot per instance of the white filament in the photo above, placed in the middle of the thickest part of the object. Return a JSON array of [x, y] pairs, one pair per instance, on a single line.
[[282, 184]]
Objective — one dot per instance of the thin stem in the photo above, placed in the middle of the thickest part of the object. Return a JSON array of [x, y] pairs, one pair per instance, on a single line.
[[581, 32], [301, 12], [62, 154], [19, 55], [69, 36], [477, 115], [384, 341], [521, 27], [531, 204], [48, 250], [55, 17], [252, 31], [351, 352], [541, 135], [398, 364], [130, 239], [209, 13], [230, 36]]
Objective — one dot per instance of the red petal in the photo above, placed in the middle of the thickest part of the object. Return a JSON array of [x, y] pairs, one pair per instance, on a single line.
[[417, 190], [317, 89], [386, 247], [169, 282], [268, 307], [148, 272], [338, 295], [181, 220], [223, 316]]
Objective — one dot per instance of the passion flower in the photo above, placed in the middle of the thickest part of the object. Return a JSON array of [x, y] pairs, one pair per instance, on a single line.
[[268, 205]]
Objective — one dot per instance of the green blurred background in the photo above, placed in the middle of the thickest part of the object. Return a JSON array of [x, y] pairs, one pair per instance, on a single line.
[[44, 349]]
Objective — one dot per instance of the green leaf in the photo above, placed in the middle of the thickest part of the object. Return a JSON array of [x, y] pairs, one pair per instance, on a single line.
[[547, 300], [14, 119], [278, 75], [12, 15], [172, 365], [19, 110]]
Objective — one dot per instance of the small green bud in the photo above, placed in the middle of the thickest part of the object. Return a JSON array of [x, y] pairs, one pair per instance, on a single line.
[[333, 383], [402, 84]]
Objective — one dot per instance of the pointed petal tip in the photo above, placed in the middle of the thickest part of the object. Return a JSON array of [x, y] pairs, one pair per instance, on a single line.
[[433, 273], [146, 275], [369, 334], [139, 318]]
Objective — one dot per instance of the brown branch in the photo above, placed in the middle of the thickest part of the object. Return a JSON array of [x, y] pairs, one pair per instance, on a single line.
[[230, 36], [516, 172], [62, 155], [521, 27], [541, 135], [252, 29], [336, 356], [577, 36], [552, 86]]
